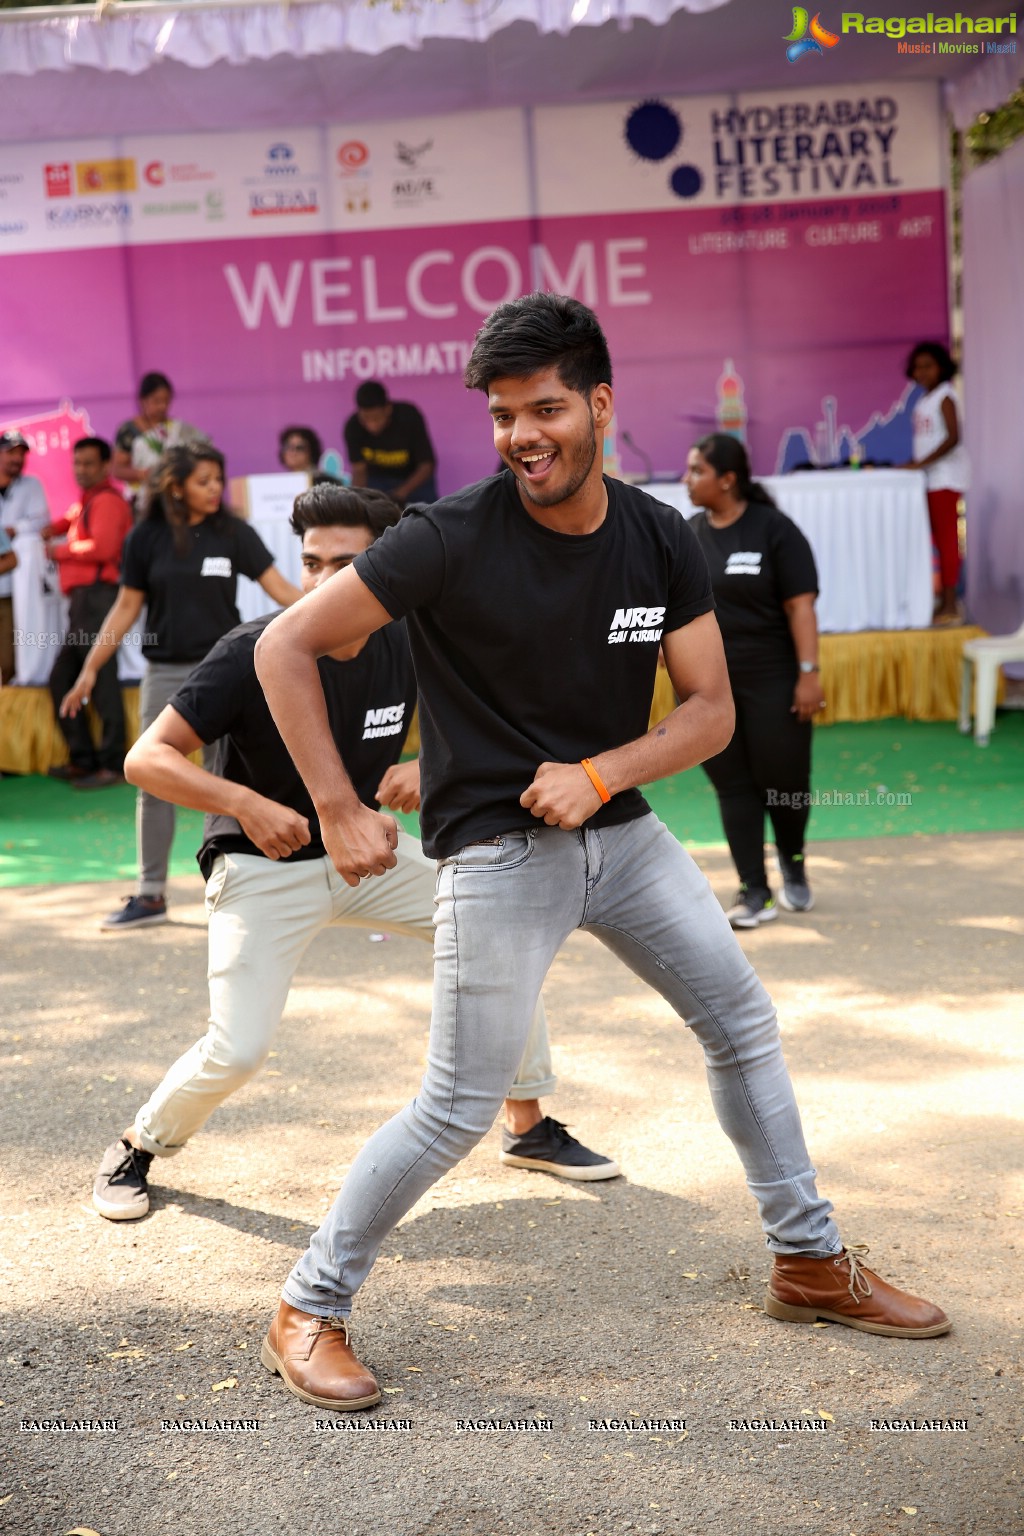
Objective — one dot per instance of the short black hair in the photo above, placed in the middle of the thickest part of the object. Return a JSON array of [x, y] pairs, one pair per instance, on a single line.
[[371, 396], [940, 354], [540, 331], [101, 445], [151, 382], [329, 505], [314, 447]]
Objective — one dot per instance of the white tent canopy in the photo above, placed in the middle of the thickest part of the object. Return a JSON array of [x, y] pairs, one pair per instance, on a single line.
[[233, 65]]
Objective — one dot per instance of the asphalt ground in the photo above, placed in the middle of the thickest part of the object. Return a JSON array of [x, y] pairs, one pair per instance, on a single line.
[[509, 1295]]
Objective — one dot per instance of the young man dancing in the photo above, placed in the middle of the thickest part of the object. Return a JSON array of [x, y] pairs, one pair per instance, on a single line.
[[536, 602], [270, 886]]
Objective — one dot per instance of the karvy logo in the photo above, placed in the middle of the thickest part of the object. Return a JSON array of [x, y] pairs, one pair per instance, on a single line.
[[800, 42]]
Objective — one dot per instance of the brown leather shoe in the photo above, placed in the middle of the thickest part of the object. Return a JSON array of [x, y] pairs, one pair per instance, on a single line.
[[802, 1289], [313, 1358]]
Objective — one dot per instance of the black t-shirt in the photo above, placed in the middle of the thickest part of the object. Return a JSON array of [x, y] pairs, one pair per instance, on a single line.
[[530, 646], [756, 564], [370, 700], [190, 598], [392, 455]]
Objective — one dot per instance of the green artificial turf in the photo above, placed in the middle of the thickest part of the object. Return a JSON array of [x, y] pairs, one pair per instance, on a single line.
[[885, 778]]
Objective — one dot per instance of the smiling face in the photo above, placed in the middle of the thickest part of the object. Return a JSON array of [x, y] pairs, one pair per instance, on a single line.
[[325, 551], [547, 434], [203, 491]]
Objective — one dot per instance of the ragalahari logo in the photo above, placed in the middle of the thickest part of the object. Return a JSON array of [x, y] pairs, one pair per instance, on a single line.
[[799, 41]]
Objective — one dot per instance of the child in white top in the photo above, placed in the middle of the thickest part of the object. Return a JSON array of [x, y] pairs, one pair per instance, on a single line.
[[939, 451]]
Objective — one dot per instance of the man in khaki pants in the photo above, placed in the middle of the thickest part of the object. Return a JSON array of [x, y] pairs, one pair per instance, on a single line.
[[270, 885]]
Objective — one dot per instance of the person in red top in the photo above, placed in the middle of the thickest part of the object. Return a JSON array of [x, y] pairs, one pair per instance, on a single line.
[[89, 562]]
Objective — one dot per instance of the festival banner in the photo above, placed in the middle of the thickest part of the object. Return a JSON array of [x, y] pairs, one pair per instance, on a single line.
[[761, 265]]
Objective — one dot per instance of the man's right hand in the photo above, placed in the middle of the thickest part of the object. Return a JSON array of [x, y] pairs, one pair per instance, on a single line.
[[361, 843], [78, 696], [276, 830]]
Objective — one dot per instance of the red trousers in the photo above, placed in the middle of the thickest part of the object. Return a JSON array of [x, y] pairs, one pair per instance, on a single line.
[[942, 516]]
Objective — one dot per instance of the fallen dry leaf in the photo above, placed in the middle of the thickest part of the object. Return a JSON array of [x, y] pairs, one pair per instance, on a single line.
[[908, 1509], [222, 1386]]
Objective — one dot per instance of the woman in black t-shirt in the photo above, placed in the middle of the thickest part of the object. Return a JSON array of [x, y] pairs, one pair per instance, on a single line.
[[182, 563], [765, 583]]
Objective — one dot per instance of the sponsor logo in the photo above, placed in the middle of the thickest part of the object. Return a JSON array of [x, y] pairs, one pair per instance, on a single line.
[[18, 227], [808, 36], [157, 172], [58, 180], [213, 206], [11, 178], [388, 721], [416, 181], [159, 209], [744, 562], [281, 161], [410, 155], [97, 176], [283, 201], [636, 625], [216, 565], [352, 155], [91, 216]]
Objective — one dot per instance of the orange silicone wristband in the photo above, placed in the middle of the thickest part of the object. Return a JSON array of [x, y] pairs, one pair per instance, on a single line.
[[595, 779]]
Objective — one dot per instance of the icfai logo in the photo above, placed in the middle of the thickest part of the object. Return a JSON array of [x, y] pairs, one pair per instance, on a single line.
[[799, 42]]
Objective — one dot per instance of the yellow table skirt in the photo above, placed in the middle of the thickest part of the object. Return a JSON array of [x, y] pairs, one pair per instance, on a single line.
[[912, 673]]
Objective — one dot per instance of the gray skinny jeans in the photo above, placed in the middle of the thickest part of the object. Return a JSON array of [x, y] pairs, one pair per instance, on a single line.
[[504, 908]]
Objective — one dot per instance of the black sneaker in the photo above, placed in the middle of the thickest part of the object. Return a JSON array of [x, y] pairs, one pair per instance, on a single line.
[[751, 908], [120, 1192], [796, 895], [138, 912], [548, 1148]]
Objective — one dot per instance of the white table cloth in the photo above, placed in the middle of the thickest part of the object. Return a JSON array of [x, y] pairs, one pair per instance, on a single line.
[[871, 540]]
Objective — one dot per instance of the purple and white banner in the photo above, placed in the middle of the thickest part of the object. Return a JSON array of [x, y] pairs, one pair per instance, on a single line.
[[761, 263]]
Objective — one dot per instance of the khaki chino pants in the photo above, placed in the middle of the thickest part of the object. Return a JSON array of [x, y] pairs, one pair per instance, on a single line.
[[263, 915]]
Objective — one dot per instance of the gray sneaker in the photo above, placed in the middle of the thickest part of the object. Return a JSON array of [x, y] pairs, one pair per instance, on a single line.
[[549, 1148], [796, 895], [120, 1192], [751, 908]]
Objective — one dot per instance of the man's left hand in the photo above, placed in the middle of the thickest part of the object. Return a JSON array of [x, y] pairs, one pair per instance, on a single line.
[[561, 795]]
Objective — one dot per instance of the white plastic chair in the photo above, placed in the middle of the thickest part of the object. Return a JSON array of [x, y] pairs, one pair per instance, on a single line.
[[986, 655]]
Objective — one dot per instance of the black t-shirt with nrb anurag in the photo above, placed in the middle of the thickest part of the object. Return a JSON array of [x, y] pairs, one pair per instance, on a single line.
[[530, 646], [757, 563], [370, 700], [191, 597]]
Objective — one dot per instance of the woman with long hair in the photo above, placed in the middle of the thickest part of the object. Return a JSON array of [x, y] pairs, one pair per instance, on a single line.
[[181, 563], [765, 584]]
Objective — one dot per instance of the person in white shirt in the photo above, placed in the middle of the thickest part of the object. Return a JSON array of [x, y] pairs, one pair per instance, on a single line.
[[939, 451], [23, 509]]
